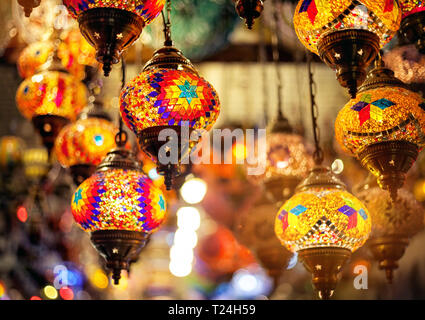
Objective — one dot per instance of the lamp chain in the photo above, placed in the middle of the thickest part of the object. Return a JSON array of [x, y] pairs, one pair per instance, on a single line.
[[167, 24], [121, 137], [276, 58], [318, 155]]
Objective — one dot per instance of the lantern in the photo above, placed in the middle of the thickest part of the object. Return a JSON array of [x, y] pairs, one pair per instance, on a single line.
[[249, 10], [36, 163], [51, 98], [323, 223], [393, 223], [74, 52], [413, 22], [168, 94], [287, 161], [11, 151], [347, 34], [112, 26], [121, 207], [82, 145], [383, 127]]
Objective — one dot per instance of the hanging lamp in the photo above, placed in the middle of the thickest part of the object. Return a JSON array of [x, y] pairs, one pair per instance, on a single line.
[[249, 10], [112, 26], [322, 222], [82, 145], [168, 94], [413, 23], [393, 223], [51, 98], [120, 206], [347, 34], [383, 127], [287, 160]]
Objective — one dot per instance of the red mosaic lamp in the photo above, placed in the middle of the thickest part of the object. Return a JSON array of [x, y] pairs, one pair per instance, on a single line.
[[168, 94]]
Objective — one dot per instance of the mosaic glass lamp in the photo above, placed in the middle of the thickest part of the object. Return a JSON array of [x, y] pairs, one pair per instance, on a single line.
[[168, 94], [287, 161], [120, 206], [111, 26], [413, 22], [82, 145], [74, 52], [347, 34], [383, 127], [393, 223], [50, 99], [249, 10], [323, 223]]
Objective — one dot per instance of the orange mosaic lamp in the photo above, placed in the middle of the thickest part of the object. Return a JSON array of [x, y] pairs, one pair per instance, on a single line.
[[51, 98], [393, 223], [347, 34], [168, 94], [383, 127], [323, 223], [413, 22], [111, 26], [74, 52], [120, 206], [82, 145]]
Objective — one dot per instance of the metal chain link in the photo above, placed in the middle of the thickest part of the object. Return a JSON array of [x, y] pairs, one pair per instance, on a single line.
[[318, 154], [276, 58], [121, 137], [167, 24]]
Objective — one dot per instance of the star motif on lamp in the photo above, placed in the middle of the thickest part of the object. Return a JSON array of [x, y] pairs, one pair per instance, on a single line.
[[78, 196], [318, 267], [188, 91], [161, 203]]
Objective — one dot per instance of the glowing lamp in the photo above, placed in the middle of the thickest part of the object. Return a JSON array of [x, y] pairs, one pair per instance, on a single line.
[[393, 223], [254, 229], [29, 5], [347, 34], [36, 163], [112, 26], [51, 98], [168, 94], [74, 53], [11, 151], [323, 223], [82, 145], [413, 22], [287, 161], [383, 127], [249, 10], [121, 207]]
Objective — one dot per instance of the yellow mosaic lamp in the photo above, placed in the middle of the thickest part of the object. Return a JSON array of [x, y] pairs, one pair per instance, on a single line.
[[383, 127], [324, 223], [51, 98], [393, 223], [347, 34]]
